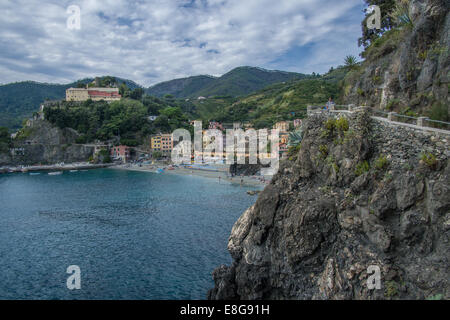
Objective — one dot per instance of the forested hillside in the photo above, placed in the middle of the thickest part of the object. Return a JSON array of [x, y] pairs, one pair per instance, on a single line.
[[19, 100]]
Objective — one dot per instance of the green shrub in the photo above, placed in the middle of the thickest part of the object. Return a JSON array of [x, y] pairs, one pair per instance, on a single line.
[[439, 111], [361, 168], [293, 151], [342, 124], [330, 124], [422, 55], [381, 162], [392, 104], [323, 149], [104, 154], [391, 289], [429, 159], [376, 79], [81, 139]]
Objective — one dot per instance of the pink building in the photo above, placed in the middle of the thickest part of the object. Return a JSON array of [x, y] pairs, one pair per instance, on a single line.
[[297, 123], [121, 152], [215, 125]]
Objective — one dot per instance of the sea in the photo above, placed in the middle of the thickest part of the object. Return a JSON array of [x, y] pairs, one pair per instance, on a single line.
[[114, 234]]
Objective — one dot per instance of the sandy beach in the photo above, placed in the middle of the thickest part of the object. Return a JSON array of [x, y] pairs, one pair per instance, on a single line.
[[221, 175]]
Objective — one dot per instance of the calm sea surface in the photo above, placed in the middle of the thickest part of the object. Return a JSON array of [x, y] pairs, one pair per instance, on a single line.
[[134, 235]]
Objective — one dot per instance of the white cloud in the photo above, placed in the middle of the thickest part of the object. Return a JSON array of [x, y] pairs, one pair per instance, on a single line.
[[152, 41]]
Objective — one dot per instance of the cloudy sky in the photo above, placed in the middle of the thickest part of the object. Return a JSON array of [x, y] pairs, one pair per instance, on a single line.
[[157, 40]]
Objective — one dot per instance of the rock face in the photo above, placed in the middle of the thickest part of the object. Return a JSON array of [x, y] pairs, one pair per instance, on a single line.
[[409, 67], [352, 200], [46, 144]]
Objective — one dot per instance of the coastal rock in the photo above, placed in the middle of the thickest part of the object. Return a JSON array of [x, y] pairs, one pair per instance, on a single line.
[[46, 144], [322, 224]]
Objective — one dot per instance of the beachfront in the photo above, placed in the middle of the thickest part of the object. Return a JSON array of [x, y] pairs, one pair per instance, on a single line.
[[219, 172]]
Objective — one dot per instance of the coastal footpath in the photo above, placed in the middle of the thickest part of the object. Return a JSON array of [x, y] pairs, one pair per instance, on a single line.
[[357, 195]]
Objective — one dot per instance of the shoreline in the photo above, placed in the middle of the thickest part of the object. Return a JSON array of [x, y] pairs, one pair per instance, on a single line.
[[218, 175], [55, 167]]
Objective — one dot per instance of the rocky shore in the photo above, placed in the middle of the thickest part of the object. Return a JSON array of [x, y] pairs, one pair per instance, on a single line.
[[357, 197], [54, 167]]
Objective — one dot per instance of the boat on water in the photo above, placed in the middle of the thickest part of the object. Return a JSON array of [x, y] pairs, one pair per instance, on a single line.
[[73, 170], [34, 173], [55, 173]]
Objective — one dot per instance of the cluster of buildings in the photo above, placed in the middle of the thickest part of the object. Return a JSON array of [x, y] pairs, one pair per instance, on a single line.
[[95, 94], [164, 144]]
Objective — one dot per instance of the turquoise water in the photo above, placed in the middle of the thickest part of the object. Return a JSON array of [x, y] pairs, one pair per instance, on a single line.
[[134, 235]]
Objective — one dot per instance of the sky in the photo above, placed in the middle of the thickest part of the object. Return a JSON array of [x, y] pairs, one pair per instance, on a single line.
[[158, 40]]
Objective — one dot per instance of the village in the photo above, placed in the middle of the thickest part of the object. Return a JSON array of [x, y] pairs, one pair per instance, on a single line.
[[160, 145]]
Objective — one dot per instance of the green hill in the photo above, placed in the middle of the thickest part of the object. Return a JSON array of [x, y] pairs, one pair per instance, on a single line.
[[238, 82], [19, 100], [280, 101], [180, 88]]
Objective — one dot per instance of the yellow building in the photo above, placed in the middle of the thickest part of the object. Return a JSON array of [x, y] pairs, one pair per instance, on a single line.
[[77, 94], [155, 143], [162, 143], [96, 94], [283, 126]]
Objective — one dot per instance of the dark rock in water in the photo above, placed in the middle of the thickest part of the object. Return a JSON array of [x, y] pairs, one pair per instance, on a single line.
[[328, 219]]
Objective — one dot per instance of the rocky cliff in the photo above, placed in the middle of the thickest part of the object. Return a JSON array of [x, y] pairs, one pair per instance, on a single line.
[[407, 69], [358, 194], [40, 142]]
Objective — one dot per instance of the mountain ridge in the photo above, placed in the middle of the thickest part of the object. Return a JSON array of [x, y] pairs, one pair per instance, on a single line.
[[239, 81]]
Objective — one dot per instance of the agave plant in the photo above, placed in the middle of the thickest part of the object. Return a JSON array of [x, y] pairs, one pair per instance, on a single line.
[[401, 15], [295, 138]]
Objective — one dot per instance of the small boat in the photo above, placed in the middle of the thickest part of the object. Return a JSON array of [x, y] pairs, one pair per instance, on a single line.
[[34, 173], [56, 173], [73, 170]]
